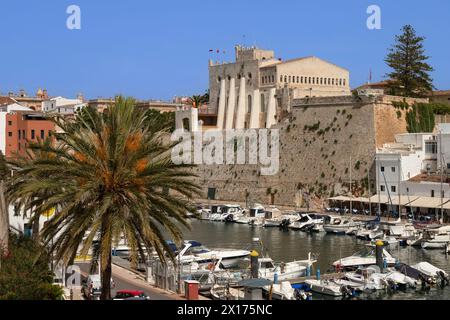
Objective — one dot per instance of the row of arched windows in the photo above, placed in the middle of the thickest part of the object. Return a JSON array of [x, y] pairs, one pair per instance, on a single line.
[[313, 80]]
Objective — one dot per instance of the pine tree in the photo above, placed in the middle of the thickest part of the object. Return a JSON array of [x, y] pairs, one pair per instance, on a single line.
[[410, 75]]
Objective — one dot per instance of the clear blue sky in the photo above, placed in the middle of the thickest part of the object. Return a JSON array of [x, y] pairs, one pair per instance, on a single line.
[[159, 49]]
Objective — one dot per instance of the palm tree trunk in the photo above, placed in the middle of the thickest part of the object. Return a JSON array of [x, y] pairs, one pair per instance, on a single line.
[[105, 261], [4, 220]]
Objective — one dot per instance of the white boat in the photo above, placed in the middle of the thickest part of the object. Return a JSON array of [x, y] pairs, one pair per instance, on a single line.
[[284, 271], [369, 232], [194, 251], [307, 220], [282, 291], [415, 241], [338, 224], [274, 218], [438, 241], [429, 269], [318, 227], [231, 212], [326, 287], [389, 241], [365, 257]]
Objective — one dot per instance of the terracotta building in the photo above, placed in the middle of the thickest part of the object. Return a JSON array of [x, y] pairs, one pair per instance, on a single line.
[[19, 126]]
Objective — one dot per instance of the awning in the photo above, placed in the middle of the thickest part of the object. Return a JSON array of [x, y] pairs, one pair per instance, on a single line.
[[382, 199], [404, 200], [428, 202], [340, 198]]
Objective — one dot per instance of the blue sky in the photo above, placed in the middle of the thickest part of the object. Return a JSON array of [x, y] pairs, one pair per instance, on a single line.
[[159, 49]]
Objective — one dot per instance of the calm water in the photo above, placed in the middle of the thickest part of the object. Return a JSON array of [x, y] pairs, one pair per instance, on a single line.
[[294, 245]]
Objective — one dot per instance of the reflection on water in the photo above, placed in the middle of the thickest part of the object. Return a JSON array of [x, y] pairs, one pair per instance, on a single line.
[[294, 245]]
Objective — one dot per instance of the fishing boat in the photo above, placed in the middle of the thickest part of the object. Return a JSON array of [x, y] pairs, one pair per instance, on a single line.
[[337, 224], [365, 257], [306, 221]]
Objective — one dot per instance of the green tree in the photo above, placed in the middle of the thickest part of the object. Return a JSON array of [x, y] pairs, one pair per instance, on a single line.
[[410, 71], [25, 272], [108, 178], [159, 121]]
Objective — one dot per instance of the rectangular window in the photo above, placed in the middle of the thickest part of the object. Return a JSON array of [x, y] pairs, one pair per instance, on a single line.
[[18, 132], [432, 193], [431, 147], [382, 169], [393, 188], [393, 169], [24, 134], [9, 134], [32, 134], [382, 188], [9, 123], [42, 134]]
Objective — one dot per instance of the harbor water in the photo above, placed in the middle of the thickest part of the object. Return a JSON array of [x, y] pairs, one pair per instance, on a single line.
[[288, 245]]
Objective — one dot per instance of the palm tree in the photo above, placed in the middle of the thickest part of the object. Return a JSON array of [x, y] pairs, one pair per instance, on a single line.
[[107, 175], [4, 214]]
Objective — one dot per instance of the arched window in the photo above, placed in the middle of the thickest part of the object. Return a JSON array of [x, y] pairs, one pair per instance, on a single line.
[[313, 80], [249, 75], [298, 79], [309, 80], [344, 82], [285, 79], [321, 80], [301, 79], [281, 78], [273, 78], [340, 82], [263, 103], [289, 79], [249, 103], [219, 79]]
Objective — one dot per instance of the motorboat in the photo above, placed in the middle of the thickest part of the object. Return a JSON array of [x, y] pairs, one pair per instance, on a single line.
[[274, 218], [415, 241], [213, 213], [283, 291], [438, 241], [194, 251], [338, 224], [317, 227], [231, 212], [284, 271], [430, 270], [325, 287], [370, 232], [388, 241], [364, 257], [306, 221]]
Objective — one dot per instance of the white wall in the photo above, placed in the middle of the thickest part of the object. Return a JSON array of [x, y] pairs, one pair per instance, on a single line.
[[3, 132]]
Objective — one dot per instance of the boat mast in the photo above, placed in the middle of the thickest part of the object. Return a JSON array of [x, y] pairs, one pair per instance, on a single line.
[[399, 191], [378, 185], [351, 194], [368, 186], [442, 175]]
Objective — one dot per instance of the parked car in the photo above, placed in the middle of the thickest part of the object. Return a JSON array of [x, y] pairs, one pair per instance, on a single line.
[[131, 295], [92, 287]]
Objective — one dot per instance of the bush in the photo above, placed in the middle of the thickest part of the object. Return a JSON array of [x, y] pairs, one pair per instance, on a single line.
[[25, 272]]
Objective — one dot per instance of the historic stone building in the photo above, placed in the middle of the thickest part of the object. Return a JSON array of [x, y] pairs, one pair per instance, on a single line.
[[248, 93], [327, 134]]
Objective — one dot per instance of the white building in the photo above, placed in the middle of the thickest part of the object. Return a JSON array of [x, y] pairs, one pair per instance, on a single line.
[[408, 173], [62, 105]]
